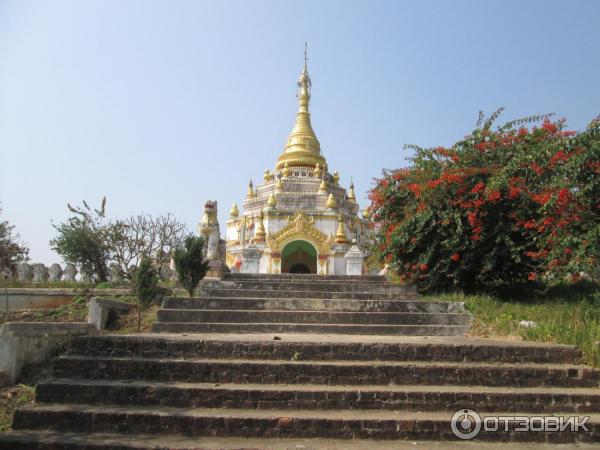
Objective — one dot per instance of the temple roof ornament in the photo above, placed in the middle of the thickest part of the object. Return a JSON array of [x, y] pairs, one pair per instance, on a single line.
[[351, 194], [323, 187], [303, 148], [340, 236], [250, 194], [259, 233], [234, 211], [272, 202], [331, 202]]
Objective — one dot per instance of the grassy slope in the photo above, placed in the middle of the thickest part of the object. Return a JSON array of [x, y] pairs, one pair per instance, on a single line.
[[565, 314]]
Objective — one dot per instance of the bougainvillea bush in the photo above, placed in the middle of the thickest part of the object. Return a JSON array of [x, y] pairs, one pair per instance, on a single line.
[[513, 203]]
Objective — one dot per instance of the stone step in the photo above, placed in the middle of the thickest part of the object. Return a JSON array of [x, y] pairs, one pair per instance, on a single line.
[[278, 396], [318, 286], [324, 328], [324, 372], [48, 440], [326, 348], [312, 304], [302, 277], [310, 317], [270, 293], [358, 424]]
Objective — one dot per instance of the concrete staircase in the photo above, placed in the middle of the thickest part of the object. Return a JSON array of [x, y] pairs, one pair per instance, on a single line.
[[245, 303], [300, 390]]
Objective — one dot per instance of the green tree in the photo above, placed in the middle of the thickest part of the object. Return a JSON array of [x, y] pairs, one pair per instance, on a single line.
[[84, 240], [12, 252], [501, 206], [189, 263], [146, 286]]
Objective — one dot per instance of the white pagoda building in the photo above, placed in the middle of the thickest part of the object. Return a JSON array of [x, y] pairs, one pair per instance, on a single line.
[[299, 220]]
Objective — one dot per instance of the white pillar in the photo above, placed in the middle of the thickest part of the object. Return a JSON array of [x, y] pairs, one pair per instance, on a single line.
[[354, 260]]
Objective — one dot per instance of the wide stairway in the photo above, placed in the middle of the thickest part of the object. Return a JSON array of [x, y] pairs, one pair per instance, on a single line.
[[246, 303], [283, 387]]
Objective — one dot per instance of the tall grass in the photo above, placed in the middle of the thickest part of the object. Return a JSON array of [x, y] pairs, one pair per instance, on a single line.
[[563, 313]]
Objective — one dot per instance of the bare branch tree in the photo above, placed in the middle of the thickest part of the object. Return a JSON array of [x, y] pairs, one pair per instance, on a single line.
[[145, 236]]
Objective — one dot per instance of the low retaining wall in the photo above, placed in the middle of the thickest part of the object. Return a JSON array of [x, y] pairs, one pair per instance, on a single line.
[[34, 342], [100, 308], [33, 298]]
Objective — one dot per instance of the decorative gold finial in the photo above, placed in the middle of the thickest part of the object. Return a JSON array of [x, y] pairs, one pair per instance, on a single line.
[[259, 234], [323, 187], [303, 148], [340, 236], [272, 202], [318, 171], [286, 170], [250, 194], [267, 176], [351, 194], [234, 211], [331, 202], [366, 213], [279, 185], [336, 177]]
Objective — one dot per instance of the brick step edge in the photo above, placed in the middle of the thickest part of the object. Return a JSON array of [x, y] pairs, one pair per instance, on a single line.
[[443, 351], [274, 327], [276, 424], [326, 397]]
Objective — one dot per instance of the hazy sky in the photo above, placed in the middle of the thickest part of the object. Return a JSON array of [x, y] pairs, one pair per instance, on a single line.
[[161, 105]]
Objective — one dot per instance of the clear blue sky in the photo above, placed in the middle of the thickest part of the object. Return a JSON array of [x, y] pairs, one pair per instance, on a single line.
[[161, 105]]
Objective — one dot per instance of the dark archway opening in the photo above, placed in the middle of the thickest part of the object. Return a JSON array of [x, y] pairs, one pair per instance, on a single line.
[[299, 257], [299, 268]]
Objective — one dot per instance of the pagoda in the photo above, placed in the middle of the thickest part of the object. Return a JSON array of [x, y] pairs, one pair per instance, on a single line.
[[300, 219]]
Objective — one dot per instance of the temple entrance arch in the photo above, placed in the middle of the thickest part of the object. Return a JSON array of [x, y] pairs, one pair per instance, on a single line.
[[299, 257]]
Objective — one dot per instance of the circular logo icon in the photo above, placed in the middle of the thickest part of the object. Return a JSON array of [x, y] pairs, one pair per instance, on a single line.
[[465, 424]]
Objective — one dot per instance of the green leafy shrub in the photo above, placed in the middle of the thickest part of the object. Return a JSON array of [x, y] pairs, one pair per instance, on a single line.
[[189, 263], [500, 206]]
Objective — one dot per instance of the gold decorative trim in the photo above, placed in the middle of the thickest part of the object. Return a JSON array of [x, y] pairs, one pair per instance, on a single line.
[[300, 228]]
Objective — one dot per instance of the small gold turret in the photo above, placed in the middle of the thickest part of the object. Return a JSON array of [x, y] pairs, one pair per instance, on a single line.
[[351, 194], [366, 213], [272, 202], [259, 234], [331, 202], [279, 185], [286, 170], [250, 194], [303, 148], [336, 177], [267, 176], [323, 187], [340, 236], [234, 211], [318, 171]]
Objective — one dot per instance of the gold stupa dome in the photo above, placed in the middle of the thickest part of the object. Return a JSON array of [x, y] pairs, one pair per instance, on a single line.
[[340, 236], [271, 203], [323, 186], [331, 202], [234, 211], [303, 148], [250, 194], [351, 194]]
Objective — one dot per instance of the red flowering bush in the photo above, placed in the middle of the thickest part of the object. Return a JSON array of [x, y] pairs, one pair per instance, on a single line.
[[502, 205]]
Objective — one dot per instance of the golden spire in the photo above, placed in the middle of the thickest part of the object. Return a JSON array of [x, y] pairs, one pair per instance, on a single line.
[[351, 194], [279, 185], [250, 193], [331, 203], [303, 147], [259, 234], [234, 211], [271, 203], [340, 236], [323, 187]]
